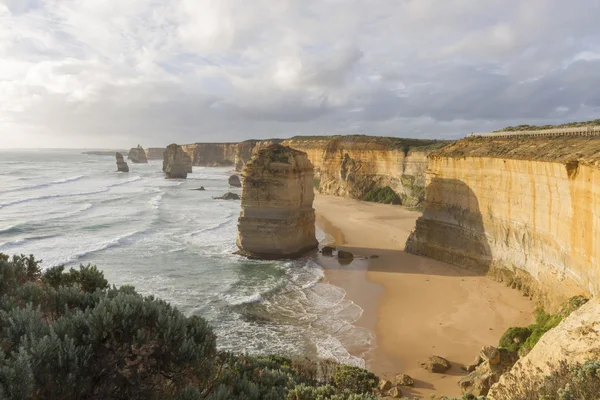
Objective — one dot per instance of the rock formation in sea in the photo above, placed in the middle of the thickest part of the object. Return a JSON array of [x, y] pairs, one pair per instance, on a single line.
[[137, 155], [234, 180], [228, 196], [176, 163], [277, 218], [121, 164]]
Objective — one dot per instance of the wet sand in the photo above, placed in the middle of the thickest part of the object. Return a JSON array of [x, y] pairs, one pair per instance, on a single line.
[[416, 306]]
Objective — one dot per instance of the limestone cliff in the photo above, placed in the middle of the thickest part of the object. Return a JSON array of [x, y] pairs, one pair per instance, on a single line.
[[225, 154], [351, 166], [277, 218], [526, 210], [137, 155], [121, 164], [348, 166], [211, 154], [574, 340], [155, 153], [176, 162]]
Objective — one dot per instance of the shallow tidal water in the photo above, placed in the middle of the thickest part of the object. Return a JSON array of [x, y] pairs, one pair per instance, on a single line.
[[175, 243]]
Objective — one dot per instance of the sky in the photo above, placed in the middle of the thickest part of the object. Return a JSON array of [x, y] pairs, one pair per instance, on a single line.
[[117, 73]]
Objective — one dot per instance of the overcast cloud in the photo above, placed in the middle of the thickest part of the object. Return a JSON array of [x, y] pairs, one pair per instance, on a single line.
[[114, 73]]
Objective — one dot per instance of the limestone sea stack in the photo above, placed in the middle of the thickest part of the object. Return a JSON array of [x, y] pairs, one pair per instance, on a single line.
[[176, 162], [137, 155], [121, 164], [277, 218]]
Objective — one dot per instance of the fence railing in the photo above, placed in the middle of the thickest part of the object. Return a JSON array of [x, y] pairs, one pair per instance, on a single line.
[[580, 131]]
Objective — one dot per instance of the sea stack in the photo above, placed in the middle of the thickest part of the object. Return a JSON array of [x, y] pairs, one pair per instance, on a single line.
[[176, 162], [277, 218], [137, 155], [121, 164]]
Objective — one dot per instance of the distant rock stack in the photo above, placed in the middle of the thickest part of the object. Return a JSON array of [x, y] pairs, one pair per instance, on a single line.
[[137, 155], [277, 218], [176, 162], [121, 164]]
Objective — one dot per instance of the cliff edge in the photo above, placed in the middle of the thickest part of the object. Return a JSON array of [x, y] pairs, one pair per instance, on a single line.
[[524, 210], [277, 218], [352, 166]]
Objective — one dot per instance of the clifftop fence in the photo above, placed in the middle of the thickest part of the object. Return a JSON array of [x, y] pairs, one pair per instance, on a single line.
[[580, 131]]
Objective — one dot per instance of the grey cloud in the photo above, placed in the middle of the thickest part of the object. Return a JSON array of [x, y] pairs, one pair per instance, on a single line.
[[198, 70]]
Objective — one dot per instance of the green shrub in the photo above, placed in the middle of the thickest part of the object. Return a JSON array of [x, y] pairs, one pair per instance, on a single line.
[[383, 195], [523, 339], [68, 335], [514, 338], [354, 379]]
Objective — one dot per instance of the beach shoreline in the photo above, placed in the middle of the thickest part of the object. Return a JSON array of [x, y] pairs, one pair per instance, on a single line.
[[416, 307]]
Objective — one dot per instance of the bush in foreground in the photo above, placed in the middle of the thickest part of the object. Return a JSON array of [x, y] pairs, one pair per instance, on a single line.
[[69, 335]]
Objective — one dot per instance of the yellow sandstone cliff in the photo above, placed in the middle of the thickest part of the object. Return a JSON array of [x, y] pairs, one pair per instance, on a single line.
[[525, 210], [351, 166], [348, 166], [277, 218]]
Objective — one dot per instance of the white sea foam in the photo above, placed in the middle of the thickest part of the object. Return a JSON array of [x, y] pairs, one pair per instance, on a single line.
[[84, 251], [44, 185], [182, 254]]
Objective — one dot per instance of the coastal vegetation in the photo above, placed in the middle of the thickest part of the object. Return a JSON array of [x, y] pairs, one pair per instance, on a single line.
[[540, 127], [385, 195], [390, 143], [70, 335], [522, 339]]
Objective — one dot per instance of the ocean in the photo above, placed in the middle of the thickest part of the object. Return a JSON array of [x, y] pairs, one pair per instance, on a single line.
[[175, 243]]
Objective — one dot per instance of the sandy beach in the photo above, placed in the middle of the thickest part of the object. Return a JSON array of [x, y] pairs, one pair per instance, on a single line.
[[417, 307]]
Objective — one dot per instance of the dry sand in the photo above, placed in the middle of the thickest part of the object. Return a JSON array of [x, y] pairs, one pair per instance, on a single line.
[[416, 306]]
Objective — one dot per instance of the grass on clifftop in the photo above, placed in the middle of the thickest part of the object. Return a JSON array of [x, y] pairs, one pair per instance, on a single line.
[[387, 142], [541, 127]]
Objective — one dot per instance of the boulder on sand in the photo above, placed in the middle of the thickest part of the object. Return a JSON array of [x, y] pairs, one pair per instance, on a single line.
[[121, 164], [345, 255], [436, 364], [327, 250]]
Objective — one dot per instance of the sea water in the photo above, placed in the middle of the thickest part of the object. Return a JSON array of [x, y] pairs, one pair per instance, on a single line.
[[176, 243]]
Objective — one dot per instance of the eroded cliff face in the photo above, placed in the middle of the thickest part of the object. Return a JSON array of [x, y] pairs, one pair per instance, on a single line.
[[225, 154], [351, 166], [155, 153], [211, 154], [526, 211], [277, 218]]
